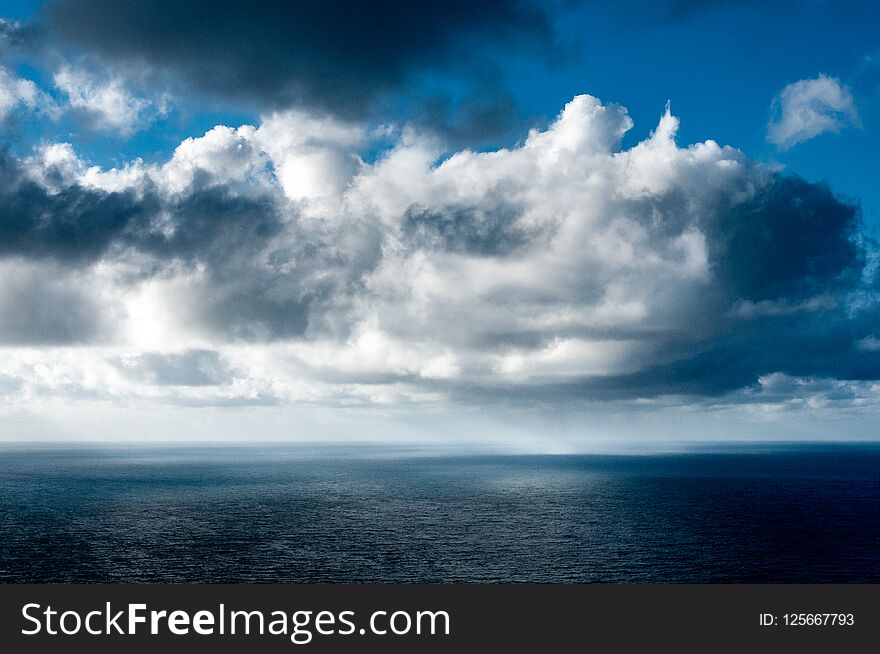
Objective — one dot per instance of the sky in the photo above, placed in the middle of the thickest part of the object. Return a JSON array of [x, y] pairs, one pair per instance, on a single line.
[[538, 225]]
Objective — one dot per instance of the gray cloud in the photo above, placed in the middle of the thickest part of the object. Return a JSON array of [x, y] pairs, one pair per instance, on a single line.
[[47, 305]]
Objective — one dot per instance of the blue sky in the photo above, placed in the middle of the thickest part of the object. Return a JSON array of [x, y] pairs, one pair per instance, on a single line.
[[326, 212]]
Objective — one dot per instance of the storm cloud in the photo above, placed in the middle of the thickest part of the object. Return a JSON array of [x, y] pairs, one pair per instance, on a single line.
[[340, 55]]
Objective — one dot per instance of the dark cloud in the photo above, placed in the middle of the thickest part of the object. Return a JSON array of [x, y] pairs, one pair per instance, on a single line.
[[788, 264], [793, 240], [336, 54], [804, 346], [818, 344], [212, 225], [79, 225], [74, 224]]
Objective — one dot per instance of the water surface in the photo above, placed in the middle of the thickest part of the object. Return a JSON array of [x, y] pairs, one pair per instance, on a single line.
[[304, 514]]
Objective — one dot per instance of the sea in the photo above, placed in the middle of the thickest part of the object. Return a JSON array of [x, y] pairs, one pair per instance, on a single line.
[[303, 513]]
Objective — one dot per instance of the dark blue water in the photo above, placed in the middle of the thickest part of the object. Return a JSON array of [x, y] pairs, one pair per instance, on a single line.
[[296, 514]]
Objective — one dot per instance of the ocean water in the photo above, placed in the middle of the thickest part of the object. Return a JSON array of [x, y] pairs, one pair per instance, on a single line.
[[803, 513]]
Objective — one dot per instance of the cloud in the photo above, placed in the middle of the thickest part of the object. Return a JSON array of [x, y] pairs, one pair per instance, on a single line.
[[341, 55], [49, 305], [14, 36], [70, 222], [808, 108], [273, 263], [214, 225], [106, 103], [18, 94], [187, 368]]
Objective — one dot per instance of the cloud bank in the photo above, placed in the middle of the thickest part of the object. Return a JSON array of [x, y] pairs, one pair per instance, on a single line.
[[275, 264]]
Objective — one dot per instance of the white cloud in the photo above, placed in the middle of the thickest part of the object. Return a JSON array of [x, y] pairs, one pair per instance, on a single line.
[[16, 92], [314, 158], [808, 108], [590, 258], [108, 103], [558, 264]]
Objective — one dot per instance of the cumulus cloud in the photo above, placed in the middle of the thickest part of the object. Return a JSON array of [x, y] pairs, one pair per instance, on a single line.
[[808, 108], [272, 263], [107, 103]]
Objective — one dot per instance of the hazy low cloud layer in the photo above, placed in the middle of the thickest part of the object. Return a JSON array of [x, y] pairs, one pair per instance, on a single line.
[[272, 264]]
